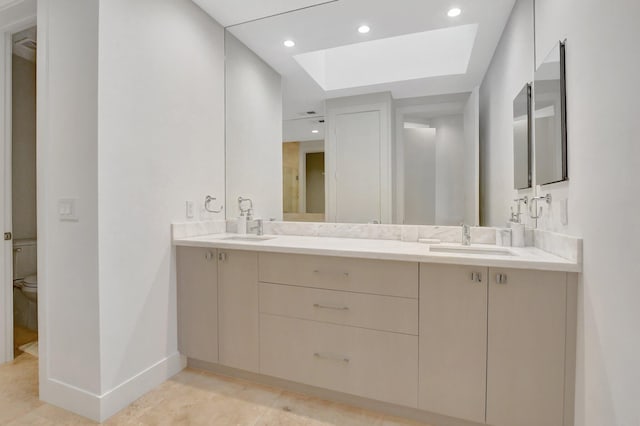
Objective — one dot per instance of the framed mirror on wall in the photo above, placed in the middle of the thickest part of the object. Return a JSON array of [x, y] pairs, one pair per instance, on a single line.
[[550, 100], [336, 113], [522, 170]]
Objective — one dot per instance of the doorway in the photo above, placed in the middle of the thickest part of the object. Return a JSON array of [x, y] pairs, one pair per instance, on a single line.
[[18, 292], [23, 192]]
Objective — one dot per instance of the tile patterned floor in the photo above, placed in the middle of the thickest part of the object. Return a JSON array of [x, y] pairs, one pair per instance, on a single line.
[[190, 398], [21, 336]]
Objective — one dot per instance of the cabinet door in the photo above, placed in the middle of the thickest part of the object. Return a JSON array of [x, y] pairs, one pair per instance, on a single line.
[[197, 293], [453, 340], [526, 347], [238, 309]]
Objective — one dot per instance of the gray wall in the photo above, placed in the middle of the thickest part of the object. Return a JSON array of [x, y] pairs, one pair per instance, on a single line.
[[24, 148]]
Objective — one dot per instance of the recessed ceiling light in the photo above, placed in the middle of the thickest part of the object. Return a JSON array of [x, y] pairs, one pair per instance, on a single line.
[[315, 131], [454, 11], [289, 43], [363, 29]]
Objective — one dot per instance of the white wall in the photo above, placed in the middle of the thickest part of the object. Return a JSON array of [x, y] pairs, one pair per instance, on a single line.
[[131, 123], [450, 170], [68, 168], [604, 170], [511, 68], [161, 142], [472, 159], [24, 148], [254, 132], [419, 166]]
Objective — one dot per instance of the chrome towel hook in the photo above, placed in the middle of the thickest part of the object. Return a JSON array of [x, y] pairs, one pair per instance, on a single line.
[[207, 201], [534, 202]]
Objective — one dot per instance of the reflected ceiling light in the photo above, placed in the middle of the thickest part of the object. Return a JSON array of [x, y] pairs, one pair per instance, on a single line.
[[289, 43], [454, 11], [363, 29], [315, 131]]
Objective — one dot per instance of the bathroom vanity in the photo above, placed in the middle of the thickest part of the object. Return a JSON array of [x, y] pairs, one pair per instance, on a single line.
[[450, 336]]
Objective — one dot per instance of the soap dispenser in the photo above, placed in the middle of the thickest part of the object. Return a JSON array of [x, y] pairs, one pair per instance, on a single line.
[[242, 224]]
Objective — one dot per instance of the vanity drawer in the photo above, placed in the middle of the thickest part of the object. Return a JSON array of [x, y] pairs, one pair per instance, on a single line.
[[386, 313], [372, 364], [389, 278]]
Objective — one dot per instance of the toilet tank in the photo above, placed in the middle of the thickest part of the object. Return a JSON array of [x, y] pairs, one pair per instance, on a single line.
[[25, 258]]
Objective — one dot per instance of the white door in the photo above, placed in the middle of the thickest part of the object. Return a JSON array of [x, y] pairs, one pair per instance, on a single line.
[[6, 248], [358, 167], [17, 16]]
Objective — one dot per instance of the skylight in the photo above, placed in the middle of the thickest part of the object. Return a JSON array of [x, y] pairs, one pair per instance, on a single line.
[[427, 54]]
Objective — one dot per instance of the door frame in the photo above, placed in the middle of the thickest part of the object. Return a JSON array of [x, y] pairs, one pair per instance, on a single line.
[[15, 16], [307, 147]]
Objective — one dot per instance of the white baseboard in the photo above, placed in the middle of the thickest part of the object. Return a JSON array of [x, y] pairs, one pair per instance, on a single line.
[[100, 407], [127, 392], [70, 398]]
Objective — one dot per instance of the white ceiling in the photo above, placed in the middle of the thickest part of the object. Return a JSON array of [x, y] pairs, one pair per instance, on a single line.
[[233, 12], [335, 24]]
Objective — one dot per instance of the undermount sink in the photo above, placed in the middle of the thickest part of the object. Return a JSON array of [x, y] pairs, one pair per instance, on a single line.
[[249, 237], [488, 251]]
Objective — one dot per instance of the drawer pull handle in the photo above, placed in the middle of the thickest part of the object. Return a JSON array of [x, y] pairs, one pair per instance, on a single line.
[[337, 308], [331, 357], [343, 274], [501, 278], [476, 277]]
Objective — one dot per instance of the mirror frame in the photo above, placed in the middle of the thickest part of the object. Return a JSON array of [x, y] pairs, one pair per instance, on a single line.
[[529, 89], [563, 118]]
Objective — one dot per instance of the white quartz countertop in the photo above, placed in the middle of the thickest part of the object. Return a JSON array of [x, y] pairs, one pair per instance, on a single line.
[[521, 258]]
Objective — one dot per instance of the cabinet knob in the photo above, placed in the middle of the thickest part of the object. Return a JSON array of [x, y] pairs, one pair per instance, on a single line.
[[501, 278], [222, 257], [208, 255]]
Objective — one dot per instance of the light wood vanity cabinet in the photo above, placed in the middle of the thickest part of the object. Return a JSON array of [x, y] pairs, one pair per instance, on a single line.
[[527, 363], [496, 337], [348, 325], [487, 345], [453, 340], [238, 312], [197, 293]]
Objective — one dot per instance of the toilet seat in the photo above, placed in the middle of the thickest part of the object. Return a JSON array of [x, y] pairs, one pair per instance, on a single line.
[[31, 281]]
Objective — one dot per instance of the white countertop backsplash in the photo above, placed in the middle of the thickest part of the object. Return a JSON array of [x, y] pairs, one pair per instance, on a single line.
[[550, 251]]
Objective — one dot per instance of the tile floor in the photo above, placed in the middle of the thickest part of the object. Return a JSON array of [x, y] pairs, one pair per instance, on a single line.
[[190, 398], [21, 336]]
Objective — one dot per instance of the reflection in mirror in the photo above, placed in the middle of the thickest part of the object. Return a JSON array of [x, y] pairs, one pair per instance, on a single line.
[[379, 127], [522, 138], [550, 118]]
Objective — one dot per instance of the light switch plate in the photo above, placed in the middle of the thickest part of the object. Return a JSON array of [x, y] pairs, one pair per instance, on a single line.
[[564, 212], [67, 210]]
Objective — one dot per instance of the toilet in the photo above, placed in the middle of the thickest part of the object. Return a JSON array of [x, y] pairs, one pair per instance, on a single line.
[[25, 266], [30, 288]]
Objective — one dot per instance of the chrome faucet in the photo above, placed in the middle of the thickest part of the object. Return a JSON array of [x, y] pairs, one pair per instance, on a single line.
[[245, 211], [258, 227], [466, 234], [516, 217]]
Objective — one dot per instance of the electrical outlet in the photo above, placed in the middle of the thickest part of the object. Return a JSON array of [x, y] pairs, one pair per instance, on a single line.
[[190, 213]]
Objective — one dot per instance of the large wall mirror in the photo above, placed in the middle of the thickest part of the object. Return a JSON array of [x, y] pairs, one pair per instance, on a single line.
[[358, 112], [551, 118]]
